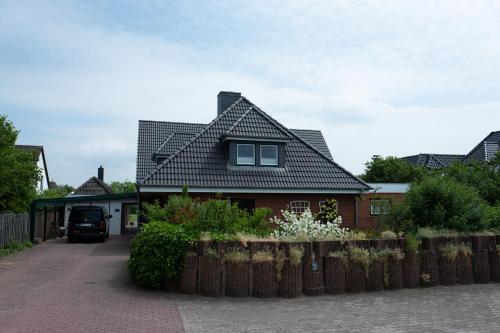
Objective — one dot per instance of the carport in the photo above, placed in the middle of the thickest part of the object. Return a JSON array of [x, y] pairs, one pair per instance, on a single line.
[[46, 215]]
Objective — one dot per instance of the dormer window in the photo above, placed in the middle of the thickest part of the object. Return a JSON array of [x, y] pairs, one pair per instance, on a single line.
[[269, 155], [245, 154]]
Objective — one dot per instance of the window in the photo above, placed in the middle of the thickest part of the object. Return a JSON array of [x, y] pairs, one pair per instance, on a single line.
[[244, 204], [245, 154], [268, 155], [379, 206], [299, 207]]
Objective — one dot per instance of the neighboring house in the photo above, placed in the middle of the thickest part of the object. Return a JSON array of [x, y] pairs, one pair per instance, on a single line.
[[39, 156], [96, 192], [433, 161], [483, 152], [94, 185], [377, 202], [246, 155]]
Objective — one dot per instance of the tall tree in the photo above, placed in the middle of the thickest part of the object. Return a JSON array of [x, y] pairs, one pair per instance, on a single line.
[[123, 187], [19, 173], [59, 191], [391, 170]]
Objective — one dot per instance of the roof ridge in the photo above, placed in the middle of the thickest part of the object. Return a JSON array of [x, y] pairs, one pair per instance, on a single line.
[[171, 122], [239, 120], [100, 182], [168, 159], [164, 143], [436, 159]]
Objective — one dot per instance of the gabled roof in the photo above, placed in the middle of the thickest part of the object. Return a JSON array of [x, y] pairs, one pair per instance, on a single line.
[[314, 138], [485, 150], [201, 162], [152, 135], [433, 161], [37, 150], [255, 124], [93, 186]]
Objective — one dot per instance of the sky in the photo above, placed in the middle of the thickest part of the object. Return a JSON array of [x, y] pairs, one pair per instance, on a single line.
[[376, 77]]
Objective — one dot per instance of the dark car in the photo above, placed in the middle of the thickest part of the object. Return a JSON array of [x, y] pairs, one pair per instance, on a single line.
[[88, 222]]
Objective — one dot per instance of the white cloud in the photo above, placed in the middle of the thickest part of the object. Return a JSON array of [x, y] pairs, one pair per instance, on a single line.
[[395, 78]]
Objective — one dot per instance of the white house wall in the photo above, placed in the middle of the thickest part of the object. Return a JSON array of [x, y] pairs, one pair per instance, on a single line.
[[114, 208], [43, 182]]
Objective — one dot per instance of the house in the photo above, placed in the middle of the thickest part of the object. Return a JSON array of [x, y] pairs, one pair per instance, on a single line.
[[39, 157], [94, 185], [95, 192], [374, 204], [483, 152], [248, 157]]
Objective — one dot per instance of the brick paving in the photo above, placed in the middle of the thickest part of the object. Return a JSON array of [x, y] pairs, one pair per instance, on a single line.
[[60, 287], [474, 308]]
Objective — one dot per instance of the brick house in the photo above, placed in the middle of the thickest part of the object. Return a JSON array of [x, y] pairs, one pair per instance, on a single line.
[[248, 157], [374, 204]]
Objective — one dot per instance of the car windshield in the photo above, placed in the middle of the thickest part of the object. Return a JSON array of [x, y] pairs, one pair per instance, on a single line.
[[85, 214]]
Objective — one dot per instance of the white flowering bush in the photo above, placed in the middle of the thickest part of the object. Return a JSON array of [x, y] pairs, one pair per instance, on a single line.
[[305, 226]]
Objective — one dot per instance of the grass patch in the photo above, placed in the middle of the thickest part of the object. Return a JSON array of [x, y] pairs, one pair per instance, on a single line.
[[13, 248]]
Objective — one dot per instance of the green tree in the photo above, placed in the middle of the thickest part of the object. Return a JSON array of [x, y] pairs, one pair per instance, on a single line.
[[391, 170], [19, 173], [442, 202], [484, 177], [123, 187], [59, 191]]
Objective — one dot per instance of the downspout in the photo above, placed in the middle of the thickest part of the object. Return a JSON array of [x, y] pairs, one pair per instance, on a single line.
[[356, 214]]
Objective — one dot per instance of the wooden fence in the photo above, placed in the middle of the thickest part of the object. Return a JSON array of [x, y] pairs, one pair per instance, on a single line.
[[14, 228]]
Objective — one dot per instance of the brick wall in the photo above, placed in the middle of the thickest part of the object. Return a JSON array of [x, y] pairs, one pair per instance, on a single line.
[[277, 202], [373, 222]]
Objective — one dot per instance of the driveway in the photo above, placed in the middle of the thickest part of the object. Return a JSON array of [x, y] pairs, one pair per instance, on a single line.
[[60, 287]]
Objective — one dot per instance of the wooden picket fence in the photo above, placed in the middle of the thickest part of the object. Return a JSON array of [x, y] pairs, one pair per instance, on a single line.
[[14, 228]]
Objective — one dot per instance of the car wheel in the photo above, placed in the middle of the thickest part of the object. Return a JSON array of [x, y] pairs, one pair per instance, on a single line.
[[107, 234], [102, 239], [70, 239]]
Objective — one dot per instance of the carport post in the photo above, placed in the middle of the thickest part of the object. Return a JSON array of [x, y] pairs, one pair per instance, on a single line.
[[44, 237]]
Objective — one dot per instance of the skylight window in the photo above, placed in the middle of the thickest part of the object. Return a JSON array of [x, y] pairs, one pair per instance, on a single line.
[[245, 154], [268, 155]]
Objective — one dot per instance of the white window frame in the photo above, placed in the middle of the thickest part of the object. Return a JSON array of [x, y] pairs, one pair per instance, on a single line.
[[237, 150], [299, 206], [277, 155], [379, 206]]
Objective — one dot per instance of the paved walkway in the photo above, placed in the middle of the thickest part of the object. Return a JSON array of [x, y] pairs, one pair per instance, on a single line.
[[60, 287]]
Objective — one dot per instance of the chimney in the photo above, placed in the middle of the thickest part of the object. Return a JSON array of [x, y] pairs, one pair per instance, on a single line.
[[100, 173], [225, 99]]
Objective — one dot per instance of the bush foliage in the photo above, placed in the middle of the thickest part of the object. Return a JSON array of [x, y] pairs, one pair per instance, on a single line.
[[157, 253]]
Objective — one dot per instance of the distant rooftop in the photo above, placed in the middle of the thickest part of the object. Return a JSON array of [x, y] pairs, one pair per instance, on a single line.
[[389, 187]]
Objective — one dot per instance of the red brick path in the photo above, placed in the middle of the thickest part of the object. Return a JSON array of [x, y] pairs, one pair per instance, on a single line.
[[60, 287]]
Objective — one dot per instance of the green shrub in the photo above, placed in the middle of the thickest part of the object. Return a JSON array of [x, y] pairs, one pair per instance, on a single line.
[[157, 253], [328, 211], [411, 243], [441, 202]]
